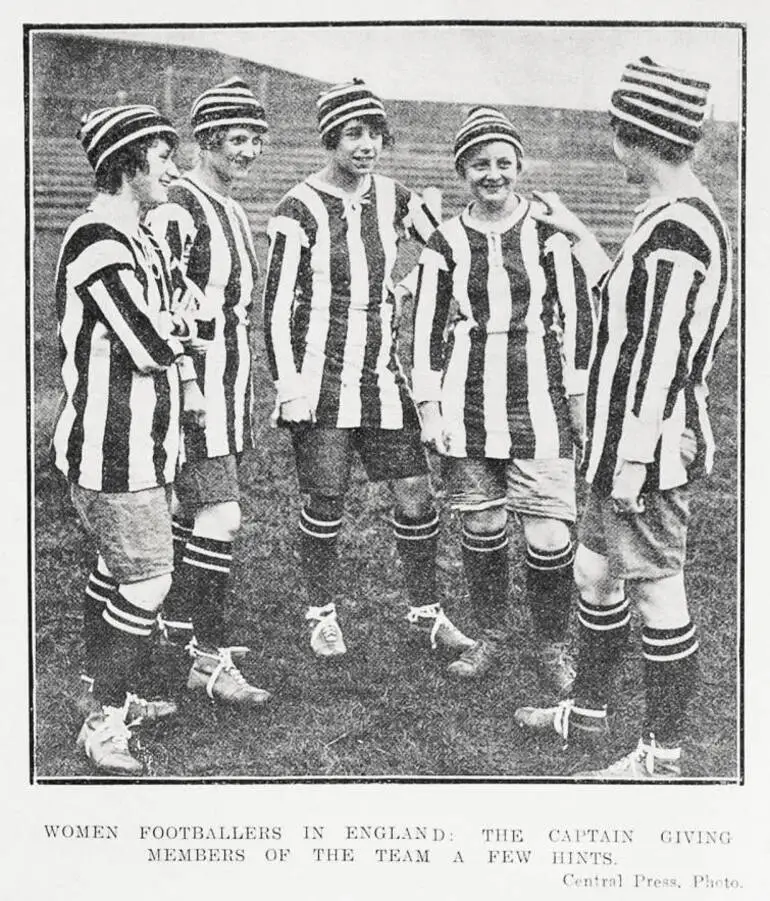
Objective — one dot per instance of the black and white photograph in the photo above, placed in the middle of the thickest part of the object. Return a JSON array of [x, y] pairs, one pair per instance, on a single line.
[[386, 402]]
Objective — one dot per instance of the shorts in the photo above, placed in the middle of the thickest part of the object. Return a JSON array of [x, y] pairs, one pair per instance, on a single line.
[[324, 456], [213, 480], [543, 488], [131, 530], [649, 545]]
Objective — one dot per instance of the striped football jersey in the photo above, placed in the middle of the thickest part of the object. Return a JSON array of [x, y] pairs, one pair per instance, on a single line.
[[665, 302], [210, 235], [329, 300], [502, 336], [118, 424]]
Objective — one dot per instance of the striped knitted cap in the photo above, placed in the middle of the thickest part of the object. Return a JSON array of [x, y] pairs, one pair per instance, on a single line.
[[349, 101], [663, 101], [482, 125], [104, 131], [227, 105]]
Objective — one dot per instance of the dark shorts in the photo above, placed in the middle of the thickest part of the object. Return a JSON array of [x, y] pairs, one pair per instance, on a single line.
[[324, 456], [649, 545], [200, 483], [544, 488], [131, 530]]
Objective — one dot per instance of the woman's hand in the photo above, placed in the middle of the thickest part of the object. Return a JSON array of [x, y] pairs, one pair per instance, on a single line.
[[549, 208], [432, 433]]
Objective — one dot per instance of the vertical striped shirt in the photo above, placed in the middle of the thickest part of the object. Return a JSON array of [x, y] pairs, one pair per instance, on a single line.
[[118, 425], [329, 301], [665, 302], [502, 336], [210, 235]]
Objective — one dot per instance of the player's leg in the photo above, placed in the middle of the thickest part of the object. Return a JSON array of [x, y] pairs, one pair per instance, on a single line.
[[542, 493], [397, 457], [476, 490], [604, 621], [210, 488], [550, 558], [323, 459], [669, 639], [133, 535]]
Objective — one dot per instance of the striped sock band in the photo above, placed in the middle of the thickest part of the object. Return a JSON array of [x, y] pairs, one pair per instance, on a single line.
[[100, 588], [597, 618], [118, 659], [604, 634], [126, 617], [181, 532], [318, 535], [670, 671], [549, 589], [421, 529], [485, 559], [314, 525], [667, 645], [417, 542], [176, 617], [484, 543], [209, 560]]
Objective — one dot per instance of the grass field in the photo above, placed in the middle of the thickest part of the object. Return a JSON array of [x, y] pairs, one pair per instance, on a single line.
[[387, 709]]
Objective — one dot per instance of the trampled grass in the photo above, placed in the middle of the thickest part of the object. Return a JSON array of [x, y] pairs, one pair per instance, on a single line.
[[387, 709]]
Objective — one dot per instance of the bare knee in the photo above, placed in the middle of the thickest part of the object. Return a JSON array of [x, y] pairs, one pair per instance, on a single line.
[[413, 497], [219, 521], [485, 522], [148, 594], [662, 602], [593, 579], [546, 534]]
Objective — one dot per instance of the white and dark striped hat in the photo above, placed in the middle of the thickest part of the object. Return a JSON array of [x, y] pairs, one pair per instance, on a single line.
[[227, 105], [482, 125], [107, 130], [348, 101], [663, 101]]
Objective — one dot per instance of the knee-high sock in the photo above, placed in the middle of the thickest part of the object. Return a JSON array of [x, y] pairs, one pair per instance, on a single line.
[[126, 635], [603, 638], [485, 558], [670, 670], [177, 612], [549, 589], [417, 543], [99, 590], [206, 562], [318, 545]]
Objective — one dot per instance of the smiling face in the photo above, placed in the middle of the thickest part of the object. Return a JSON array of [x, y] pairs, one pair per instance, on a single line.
[[150, 184], [490, 172], [234, 157], [358, 149]]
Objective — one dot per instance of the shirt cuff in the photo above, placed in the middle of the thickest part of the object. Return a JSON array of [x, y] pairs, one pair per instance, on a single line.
[[426, 385]]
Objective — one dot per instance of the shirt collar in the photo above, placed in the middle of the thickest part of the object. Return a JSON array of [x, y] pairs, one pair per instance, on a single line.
[[503, 225]]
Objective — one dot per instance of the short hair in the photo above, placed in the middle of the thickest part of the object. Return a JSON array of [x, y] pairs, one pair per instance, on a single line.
[[633, 136], [212, 138], [127, 161], [462, 160], [377, 125]]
